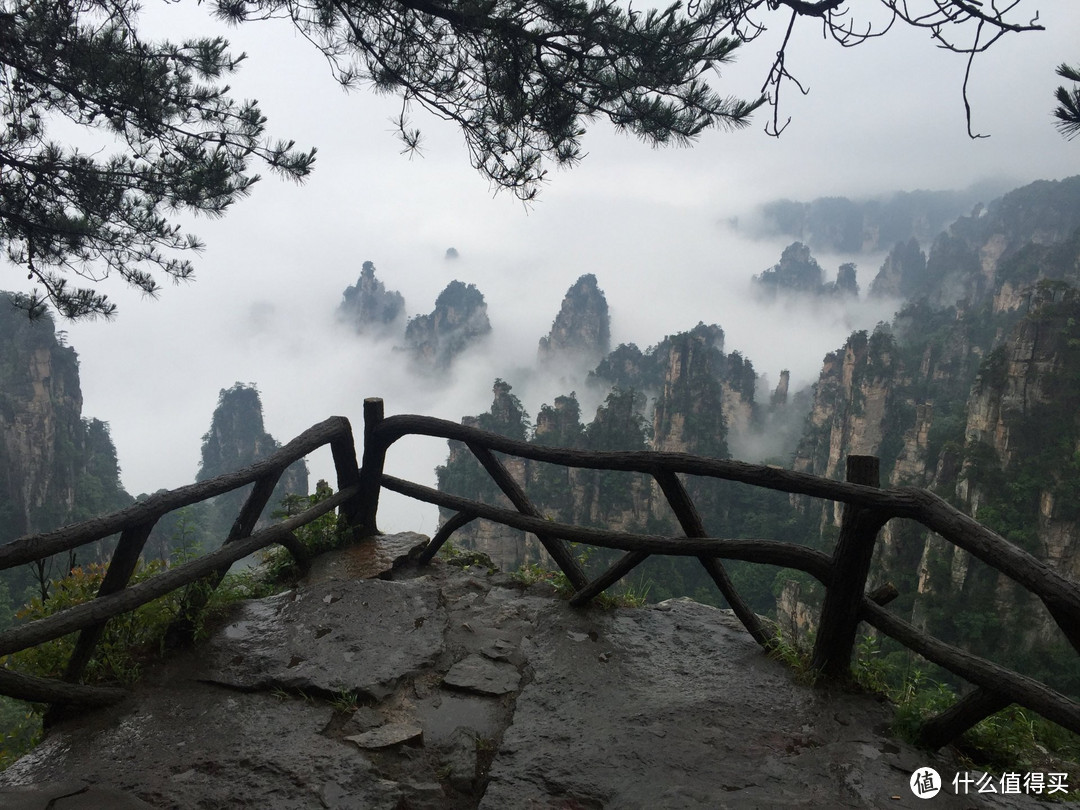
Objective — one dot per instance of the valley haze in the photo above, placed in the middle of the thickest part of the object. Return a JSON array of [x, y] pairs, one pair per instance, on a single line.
[[659, 228]]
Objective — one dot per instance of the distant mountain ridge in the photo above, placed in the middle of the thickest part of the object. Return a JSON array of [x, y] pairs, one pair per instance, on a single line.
[[972, 392], [845, 225]]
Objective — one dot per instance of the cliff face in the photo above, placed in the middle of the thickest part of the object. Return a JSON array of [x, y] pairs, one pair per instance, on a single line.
[[976, 399], [701, 394], [581, 332], [55, 466], [903, 274], [903, 391], [458, 320], [463, 475], [695, 394], [1002, 243], [849, 405], [1022, 425], [368, 307], [236, 439]]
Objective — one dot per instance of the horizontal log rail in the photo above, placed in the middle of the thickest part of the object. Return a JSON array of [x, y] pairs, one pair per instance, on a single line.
[[843, 573], [770, 552], [105, 607], [1061, 595], [335, 431]]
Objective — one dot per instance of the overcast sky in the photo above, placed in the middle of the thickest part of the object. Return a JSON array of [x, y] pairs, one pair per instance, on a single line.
[[649, 223]]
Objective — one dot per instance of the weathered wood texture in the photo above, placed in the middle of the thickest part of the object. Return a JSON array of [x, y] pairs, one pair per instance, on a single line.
[[124, 560], [690, 520], [44, 690], [555, 546], [616, 571], [92, 615], [771, 552], [854, 549], [343, 451], [1019, 688], [974, 707], [458, 520], [77, 617], [371, 468], [184, 626]]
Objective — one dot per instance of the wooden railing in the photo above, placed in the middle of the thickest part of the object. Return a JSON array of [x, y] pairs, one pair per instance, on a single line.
[[867, 508], [134, 525]]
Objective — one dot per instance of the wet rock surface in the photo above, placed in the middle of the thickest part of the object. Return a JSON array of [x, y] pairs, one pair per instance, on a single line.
[[456, 688]]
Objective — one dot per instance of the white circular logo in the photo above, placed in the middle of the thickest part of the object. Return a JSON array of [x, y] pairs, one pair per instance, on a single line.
[[925, 783]]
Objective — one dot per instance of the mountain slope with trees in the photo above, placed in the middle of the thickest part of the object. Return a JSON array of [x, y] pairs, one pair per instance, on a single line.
[[970, 391], [56, 465]]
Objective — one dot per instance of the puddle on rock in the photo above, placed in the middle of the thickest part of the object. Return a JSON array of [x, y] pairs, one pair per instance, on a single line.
[[442, 715], [367, 559]]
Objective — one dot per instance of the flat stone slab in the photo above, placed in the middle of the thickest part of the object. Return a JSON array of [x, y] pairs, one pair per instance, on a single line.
[[372, 557], [387, 735], [68, 796], [675, 706], [193, 745], [482, 675], [332, 636]]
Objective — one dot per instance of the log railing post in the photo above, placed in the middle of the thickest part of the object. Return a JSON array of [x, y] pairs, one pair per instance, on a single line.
[[371, 468], [182, 630], [555, 546], [690, 520], [850, 567], [458, 520], [348, 475], [124, 560], [973, 708]]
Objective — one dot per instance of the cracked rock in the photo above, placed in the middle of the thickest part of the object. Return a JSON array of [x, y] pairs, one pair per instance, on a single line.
[[476, 673], [387, 735]]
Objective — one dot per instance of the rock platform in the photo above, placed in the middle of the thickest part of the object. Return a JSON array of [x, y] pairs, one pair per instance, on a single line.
[[374, 685]]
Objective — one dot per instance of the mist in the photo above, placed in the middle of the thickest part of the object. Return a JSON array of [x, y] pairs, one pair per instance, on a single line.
[[154, 374], [653, 225]]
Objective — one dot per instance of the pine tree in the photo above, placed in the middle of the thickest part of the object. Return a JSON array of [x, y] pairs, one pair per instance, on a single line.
[[184, 144], [1068, 109], [520, 77]]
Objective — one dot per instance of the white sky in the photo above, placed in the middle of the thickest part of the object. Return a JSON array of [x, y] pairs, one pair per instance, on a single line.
[[886, 116]]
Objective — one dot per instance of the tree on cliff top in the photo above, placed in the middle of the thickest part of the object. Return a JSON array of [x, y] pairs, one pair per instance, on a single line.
[[520, 77]]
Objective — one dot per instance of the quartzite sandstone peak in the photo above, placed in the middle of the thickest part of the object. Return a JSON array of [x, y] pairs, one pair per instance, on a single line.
[[458, 321], [369, 307], [56, 467], [582, 329]]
